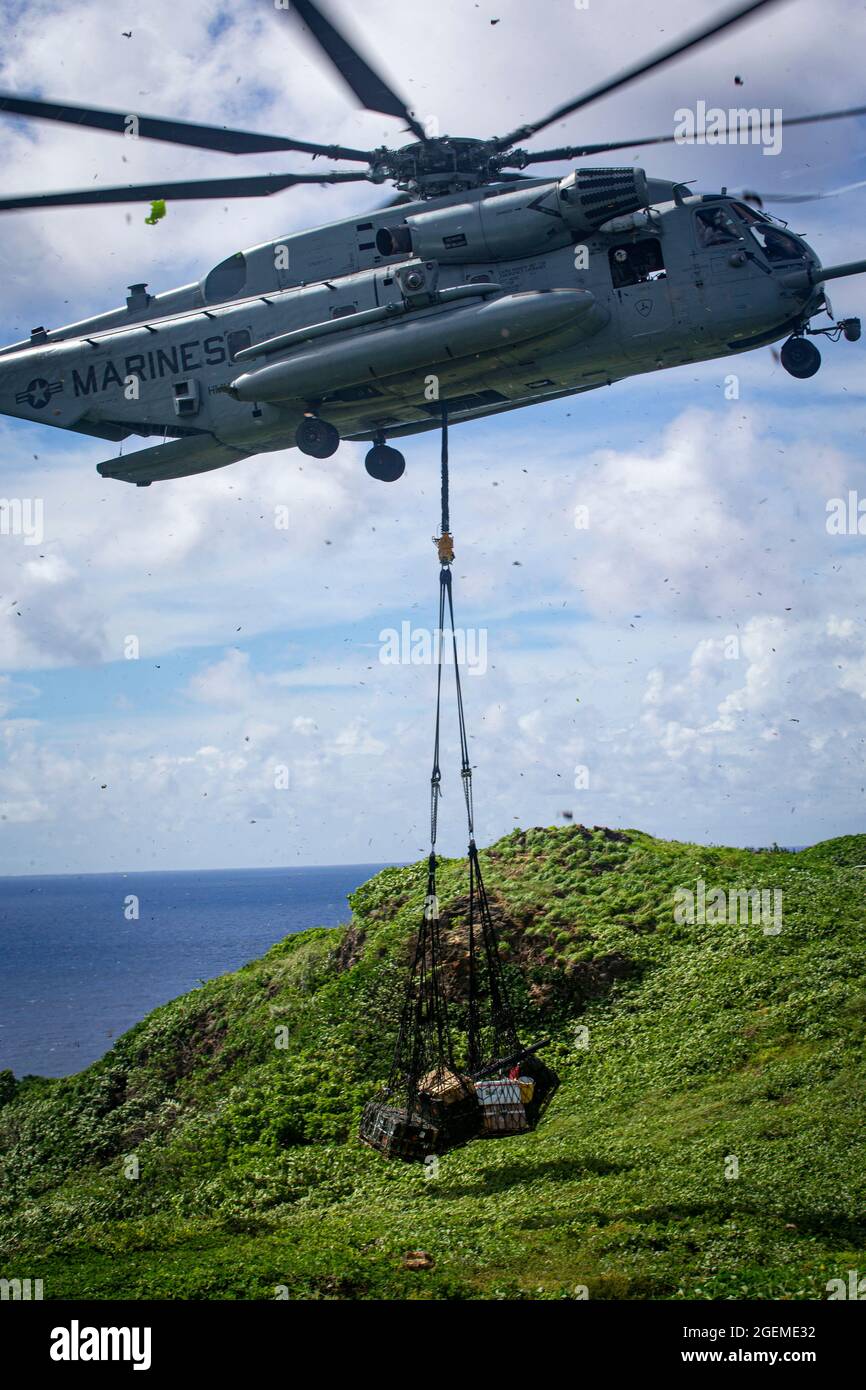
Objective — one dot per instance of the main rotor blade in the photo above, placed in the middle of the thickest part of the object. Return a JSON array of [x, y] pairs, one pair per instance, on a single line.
[[640, 69], [371, 90], [579, 151], [258, 186], [760, 198], [202, 137]]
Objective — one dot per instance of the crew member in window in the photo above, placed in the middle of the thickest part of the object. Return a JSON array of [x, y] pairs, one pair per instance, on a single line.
[[781, 246], [636, 263], [714, 228]]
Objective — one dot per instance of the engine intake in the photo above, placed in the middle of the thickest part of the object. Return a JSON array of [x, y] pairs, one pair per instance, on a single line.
[[594, 196], [510, 225]]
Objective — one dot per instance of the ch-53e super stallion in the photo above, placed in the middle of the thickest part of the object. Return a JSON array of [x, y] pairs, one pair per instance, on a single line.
[[477, 290]]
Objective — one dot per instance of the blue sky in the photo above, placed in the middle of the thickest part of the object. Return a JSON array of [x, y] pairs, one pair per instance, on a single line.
[[608, 649]]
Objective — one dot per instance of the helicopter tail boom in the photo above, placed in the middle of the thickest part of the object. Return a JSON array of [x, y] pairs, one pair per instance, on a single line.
[[179, 459]]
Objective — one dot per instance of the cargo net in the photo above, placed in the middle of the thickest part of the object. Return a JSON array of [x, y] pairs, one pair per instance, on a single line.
[[459, 1071]]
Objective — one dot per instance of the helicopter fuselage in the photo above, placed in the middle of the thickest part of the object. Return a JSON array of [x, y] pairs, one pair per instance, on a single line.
[[487, 301]]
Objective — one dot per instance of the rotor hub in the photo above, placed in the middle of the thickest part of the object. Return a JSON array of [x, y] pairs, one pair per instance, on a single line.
[[445, 164]]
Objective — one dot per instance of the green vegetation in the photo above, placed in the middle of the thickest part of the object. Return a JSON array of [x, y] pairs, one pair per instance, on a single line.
[[706, 1044]]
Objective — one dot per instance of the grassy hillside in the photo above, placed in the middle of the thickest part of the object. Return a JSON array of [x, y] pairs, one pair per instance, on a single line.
[[686, 1050]]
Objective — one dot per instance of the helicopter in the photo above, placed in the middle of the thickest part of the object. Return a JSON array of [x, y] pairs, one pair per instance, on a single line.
[[477, 290]]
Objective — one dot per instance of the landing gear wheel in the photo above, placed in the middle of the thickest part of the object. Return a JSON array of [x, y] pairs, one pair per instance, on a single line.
[[384, 463], [316, 437], [800, 357]]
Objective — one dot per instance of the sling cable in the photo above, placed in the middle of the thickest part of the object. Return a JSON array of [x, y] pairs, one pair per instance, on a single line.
[[459, 1071]]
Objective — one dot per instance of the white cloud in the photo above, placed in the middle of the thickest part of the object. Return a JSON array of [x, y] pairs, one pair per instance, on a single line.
[[226, 682], [14, 693]]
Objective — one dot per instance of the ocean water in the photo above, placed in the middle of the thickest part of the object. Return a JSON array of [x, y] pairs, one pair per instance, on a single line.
[[76, 971]]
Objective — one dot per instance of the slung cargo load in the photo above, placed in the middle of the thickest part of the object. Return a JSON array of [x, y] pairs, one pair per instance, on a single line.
[[459, 1071]]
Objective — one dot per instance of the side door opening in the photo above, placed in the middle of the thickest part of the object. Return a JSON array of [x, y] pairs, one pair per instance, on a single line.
[[640, 281]]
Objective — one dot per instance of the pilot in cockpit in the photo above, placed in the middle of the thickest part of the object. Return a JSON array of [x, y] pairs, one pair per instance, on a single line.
[[715, 227]]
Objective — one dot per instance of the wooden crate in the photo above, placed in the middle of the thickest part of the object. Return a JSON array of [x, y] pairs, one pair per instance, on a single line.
[[445, 1085]]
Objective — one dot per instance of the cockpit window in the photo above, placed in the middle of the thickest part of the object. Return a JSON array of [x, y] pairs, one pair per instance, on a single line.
[[749, 215], [635, 262], [715, 227], [226, 280], [776, 244]]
